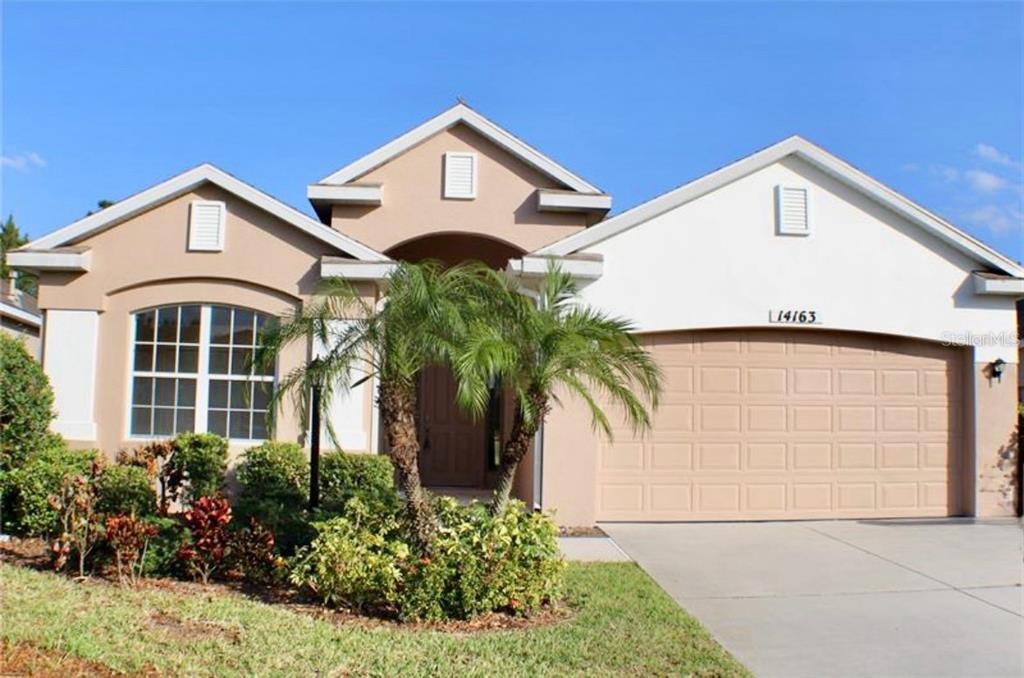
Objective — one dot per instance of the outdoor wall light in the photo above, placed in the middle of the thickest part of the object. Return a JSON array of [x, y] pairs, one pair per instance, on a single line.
[[997, 367]]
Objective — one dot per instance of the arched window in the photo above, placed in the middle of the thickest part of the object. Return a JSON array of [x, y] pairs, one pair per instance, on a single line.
[[191, 372]]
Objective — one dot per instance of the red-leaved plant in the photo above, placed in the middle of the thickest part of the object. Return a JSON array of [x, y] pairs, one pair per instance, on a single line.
[[208, 521], [129, 538], [252, 554]]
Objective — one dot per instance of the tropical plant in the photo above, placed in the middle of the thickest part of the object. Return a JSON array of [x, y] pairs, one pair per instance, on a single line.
[[425, 308], [207, 521], [535, 347], [129, 538]]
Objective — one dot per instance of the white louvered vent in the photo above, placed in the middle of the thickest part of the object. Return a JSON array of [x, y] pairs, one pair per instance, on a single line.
[[460, 175], [791, 210], [206, 226]]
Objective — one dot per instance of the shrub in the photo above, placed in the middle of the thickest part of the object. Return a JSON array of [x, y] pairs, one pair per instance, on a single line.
[[353, 562], [370, 477], [125, 490], [26, 404], [152, 458], [274, 469], [80, 524], [252, 553], [479, 563], [272, 480], [482, 563], [207, 520], [27, 490], [161, 557], [196, 467], [129, 538]]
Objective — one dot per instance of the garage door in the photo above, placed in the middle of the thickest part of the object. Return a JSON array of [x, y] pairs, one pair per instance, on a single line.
[[775, 424]]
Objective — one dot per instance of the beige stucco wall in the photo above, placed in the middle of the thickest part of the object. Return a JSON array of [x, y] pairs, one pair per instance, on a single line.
[[266, 265], [996, 441], [570, 463], [505, 207]]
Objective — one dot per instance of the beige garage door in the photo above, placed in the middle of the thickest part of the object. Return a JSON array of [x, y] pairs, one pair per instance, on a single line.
[[770, 424]]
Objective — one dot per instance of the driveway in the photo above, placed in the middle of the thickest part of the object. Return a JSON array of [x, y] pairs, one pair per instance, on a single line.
[[847, 598]]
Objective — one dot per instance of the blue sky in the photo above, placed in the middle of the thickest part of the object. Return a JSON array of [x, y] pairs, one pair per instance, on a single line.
[[101, 100]]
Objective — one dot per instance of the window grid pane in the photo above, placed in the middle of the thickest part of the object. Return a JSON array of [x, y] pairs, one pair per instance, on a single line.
[[166, 372]]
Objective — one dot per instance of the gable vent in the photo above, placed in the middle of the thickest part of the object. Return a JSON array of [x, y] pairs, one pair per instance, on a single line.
[[206, 226], [791, 210], [460, 175]]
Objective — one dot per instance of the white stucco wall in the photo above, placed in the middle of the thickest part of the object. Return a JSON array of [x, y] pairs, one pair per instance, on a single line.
[[717, 262]]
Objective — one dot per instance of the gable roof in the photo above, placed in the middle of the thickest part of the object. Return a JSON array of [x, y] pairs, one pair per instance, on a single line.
[[186, 181], [460, 113], [817, 157]]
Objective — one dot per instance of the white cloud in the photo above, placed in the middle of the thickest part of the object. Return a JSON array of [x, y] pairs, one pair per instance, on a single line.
[[911, 167], [22, 162], [996, 218], [985, 182], [993, 154], [945, 172]]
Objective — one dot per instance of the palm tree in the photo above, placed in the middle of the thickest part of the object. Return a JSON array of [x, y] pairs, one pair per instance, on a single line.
[[426, 307], [534, 347]]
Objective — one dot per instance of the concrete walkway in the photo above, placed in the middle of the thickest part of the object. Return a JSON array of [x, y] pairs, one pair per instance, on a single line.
[[848, 598]]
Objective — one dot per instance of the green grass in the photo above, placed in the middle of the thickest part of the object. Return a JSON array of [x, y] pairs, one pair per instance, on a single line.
[[623, 625]]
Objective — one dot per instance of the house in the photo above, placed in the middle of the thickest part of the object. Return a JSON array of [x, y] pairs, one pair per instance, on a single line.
[[830, 348], [19, 316]]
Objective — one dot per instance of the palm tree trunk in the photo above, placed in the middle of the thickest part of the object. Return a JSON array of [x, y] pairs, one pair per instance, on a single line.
[[398, 414], [519, 443]]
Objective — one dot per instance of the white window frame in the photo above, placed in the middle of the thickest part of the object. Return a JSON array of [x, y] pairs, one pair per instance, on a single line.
[[202, 376], [476, 174], [780, 226]]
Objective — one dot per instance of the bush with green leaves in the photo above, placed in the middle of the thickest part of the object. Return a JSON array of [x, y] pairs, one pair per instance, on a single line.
[[161, 559], [26, 404], [196, 467], [370, 477], [355, 561], [273, 481], [479, 563], [126, 490], [27, 490], [483, 562]]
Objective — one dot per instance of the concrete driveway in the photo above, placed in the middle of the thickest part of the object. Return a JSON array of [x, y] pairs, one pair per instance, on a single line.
[[847, 598]]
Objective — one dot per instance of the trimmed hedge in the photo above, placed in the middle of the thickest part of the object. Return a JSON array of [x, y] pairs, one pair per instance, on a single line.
[[273, 481], [370, 477], [126, 490]]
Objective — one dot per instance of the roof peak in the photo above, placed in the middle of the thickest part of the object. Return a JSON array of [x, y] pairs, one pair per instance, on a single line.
[[460, 112]]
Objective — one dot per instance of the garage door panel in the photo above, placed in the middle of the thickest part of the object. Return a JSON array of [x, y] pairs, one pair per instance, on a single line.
[[763, 424]]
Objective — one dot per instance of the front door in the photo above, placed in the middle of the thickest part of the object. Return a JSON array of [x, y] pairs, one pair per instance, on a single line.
[[454, 448]]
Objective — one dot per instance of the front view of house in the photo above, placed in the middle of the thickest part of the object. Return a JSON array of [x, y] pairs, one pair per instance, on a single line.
[[829, 348]]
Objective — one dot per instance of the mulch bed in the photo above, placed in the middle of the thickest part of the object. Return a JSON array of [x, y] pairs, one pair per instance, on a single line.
[[31, 553], [582, 531], [22, 659], [34, 554]]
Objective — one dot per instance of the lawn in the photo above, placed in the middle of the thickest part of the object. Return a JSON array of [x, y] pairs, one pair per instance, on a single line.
[[622, 624]]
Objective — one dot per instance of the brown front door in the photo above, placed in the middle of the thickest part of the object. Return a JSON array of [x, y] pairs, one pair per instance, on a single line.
[[453, 443]]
